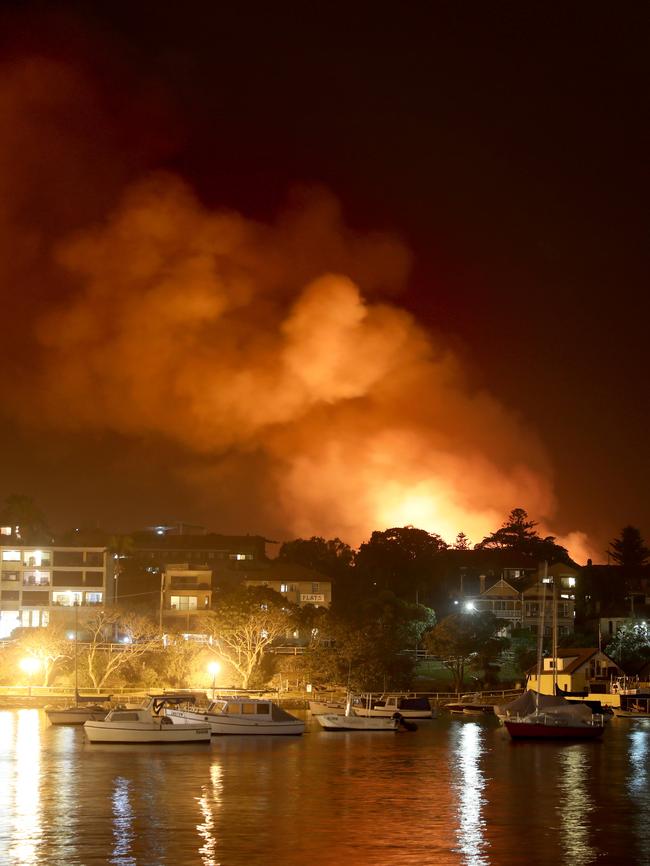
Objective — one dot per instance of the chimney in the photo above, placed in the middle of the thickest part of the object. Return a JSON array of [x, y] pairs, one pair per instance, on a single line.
[[482, 584]]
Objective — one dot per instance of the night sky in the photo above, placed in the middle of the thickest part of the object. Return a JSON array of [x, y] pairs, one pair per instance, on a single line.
[[504, 145]]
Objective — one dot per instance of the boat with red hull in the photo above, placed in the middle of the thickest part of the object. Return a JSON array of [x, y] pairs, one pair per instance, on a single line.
[[543, 726]]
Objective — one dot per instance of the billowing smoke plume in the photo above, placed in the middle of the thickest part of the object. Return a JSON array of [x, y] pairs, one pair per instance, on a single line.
[[274, 345]]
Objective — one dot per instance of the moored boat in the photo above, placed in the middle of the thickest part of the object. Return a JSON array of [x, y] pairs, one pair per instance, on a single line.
[[320, 708], [240, 715], [352, 722], [545, 725], [77, 714], [473, 703], [634, 706], [387, 705], [144, 725]]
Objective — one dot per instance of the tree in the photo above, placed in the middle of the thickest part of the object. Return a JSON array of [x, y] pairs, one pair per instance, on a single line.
[[370, 652], [102, 659], [331, 558], [629, 550], [26, 519], [246, 623], [48, 645], [403, 560], [518, 534], [459, 638], [630, 647], [462, 542]]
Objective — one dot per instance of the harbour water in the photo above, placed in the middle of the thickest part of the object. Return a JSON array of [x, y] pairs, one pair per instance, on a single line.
[[457, 791]]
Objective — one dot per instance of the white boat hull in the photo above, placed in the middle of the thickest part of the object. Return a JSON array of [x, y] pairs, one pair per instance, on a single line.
[[138, 732], [321, 708], [389, 712], [340, 722], [223, 725], [75, 715]]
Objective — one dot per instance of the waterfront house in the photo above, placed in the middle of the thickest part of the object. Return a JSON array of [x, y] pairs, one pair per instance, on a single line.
[[577, 670]]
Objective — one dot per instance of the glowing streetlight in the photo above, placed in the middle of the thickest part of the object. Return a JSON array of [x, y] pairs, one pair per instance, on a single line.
[[213, 669], [30, 666]]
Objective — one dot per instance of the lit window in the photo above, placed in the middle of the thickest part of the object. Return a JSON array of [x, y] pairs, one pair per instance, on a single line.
[[184, 602], [572, 581], [11, 556], [36, 577], [94, 597], [5, 530], [315, 587], [36, 558], [284, 587], [67, 598]]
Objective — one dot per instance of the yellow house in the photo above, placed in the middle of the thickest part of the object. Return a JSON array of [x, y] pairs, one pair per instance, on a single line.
[[577, 670]]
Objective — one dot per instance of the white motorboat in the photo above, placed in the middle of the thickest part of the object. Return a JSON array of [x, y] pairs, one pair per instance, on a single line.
[[344, 722], [240, 715], [387, 705], [145, 725], [321, 708], [350, 720]]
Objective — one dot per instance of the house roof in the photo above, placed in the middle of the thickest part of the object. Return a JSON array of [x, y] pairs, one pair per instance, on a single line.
[[501, 587], [580, 655], [281, 570]]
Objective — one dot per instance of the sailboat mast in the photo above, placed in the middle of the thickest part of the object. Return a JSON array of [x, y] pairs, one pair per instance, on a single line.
[[540, 642], [554, 602], [76, 666]]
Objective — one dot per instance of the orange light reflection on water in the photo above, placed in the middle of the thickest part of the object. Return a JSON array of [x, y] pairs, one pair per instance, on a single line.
[[210, 800], [469, 784], [22, 730]]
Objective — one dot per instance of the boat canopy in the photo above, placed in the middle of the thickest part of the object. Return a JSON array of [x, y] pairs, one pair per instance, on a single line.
[[528, 703]]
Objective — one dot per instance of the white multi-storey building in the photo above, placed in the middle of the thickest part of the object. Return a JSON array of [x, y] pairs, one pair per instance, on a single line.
[[38, 584]]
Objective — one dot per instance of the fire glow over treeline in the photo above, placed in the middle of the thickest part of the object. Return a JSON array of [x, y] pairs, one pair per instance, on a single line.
[[278, 345]]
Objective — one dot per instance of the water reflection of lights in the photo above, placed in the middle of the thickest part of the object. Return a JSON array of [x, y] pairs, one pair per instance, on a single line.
[[637, 784], [27, 829], [469, 783], [207, 801], [123, 833], [575, 806]]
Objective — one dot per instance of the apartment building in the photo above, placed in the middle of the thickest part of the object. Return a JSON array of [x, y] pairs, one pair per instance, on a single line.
[[185, 593], [298, 584], [42, 584]]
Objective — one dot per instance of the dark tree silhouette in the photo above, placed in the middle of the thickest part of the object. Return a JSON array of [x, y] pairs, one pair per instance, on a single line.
[[26, 519], [629, 550], [331, 558], [518, 533]]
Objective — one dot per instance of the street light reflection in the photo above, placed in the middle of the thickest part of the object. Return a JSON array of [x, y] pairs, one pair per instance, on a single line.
[[123, 818], [575, 806], [637, 783], [469, 784], [27, 831], [207, 802]]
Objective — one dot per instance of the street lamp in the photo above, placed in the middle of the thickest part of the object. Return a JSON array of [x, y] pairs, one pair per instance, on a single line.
[[469, 606], [214, 668], [30, 666]]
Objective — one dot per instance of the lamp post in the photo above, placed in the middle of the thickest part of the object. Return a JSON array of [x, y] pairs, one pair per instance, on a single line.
[[30, 665], [214, 668]]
